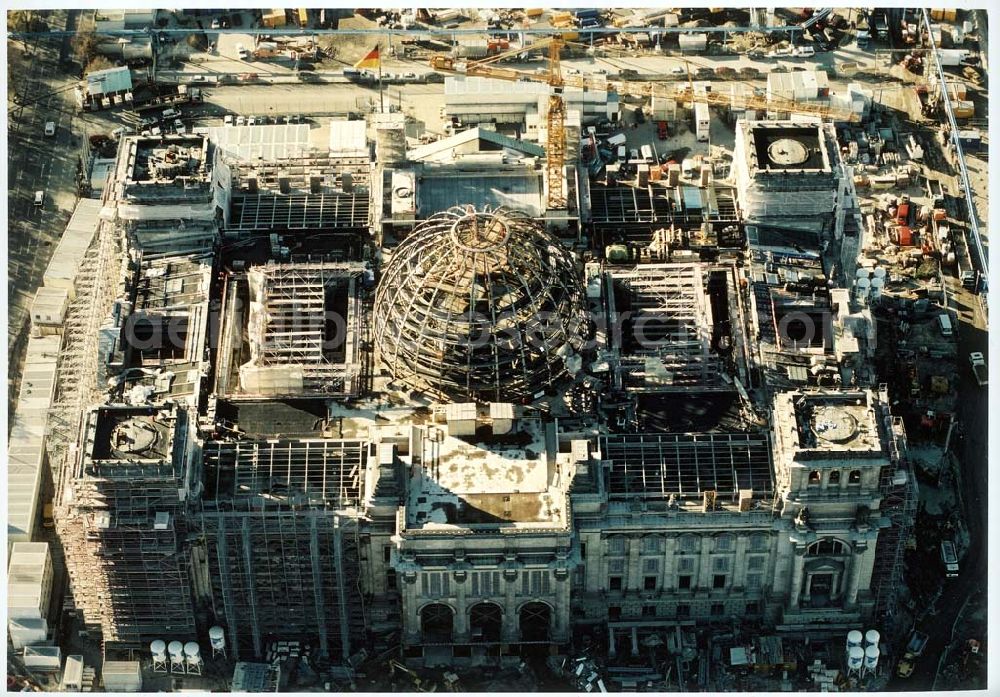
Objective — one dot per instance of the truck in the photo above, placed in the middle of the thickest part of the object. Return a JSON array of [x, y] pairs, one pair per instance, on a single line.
[[181, 94], [949, 559], [978, 362], [914, 648]]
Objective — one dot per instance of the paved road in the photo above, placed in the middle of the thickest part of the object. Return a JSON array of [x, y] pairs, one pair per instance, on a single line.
[[971, 450], [38, 163]]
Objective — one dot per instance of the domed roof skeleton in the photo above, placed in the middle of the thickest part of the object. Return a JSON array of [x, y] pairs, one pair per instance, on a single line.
[[479, 305]]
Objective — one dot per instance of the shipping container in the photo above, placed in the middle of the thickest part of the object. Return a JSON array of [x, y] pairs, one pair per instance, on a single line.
[[702, 121], [535, 12]]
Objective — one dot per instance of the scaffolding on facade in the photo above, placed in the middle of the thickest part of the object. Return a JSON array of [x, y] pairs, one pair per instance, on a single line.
[[898, 490], [280, 531]]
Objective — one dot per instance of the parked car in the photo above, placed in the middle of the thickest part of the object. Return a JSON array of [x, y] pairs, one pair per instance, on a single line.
[[50, 128], [242, 52], [805, 51], [39, 198], [179, 127], [120, 131], [241, 120], [171, 113], [228, 120], [216, 24], [308, 76]]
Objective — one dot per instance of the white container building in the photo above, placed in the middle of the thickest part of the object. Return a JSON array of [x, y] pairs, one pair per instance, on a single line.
[[122, 676]]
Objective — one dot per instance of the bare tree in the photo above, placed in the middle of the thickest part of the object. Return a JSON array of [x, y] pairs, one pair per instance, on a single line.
[[85, 46], [98, 63]]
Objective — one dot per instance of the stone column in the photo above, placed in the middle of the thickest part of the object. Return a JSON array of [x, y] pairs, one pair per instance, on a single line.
[[854, 575], [807, 595], [740, 562], [510, 631], [798, 560], [633, 566], [705, 564], [670, 565], [411, 614], [460, 628], [560, 615]]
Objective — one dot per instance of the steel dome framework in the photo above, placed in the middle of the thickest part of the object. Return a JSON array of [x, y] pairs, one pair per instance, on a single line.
[[482, 305]]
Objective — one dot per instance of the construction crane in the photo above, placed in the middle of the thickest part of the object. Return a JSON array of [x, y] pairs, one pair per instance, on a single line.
[[555, 150], [556, 139]]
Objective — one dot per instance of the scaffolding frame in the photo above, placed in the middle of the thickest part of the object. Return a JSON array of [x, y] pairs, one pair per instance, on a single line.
[[668, 304], [898, 491], [284, 572]]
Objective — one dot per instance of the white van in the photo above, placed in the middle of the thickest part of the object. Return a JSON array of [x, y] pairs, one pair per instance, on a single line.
[[39, 198], [944, 324], [621, 153], [647, 152]]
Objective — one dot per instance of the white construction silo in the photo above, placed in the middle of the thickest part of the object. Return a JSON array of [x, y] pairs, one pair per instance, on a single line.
[[192, 657], [854, 638], [217, 638], [855, 659], [176, 651], [871, 658], [158, 648]]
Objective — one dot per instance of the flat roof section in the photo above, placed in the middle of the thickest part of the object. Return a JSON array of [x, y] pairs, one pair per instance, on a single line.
[[656, 465], [516, 190], [278, 213]]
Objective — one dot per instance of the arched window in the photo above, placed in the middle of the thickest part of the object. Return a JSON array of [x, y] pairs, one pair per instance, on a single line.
[[436, 621], [485, 622], [536, 618], [826, 548], [814, 478], [854, 477], [834, 477]]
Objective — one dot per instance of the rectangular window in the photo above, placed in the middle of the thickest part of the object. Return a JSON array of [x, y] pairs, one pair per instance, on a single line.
[[540, 583], [683, 582], [719, 581], [583, 550], [616, 566], [579, 576], [652, 544], [683, 611], [685, 565], [649, 583], [649, 611], [386, 553], [758, 543], [755, 563], [615, 583], [616, 546], [718, 609], [390, 580], [720, 564], [753, 582], [687, 544], [425, 585], [651, 566]]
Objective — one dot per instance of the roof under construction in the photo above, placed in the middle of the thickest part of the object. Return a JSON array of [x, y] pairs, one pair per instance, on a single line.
[[479, 304]]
